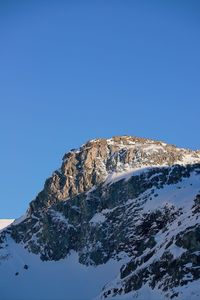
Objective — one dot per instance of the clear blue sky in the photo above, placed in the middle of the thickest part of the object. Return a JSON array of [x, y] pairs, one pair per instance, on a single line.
[[75, 70]]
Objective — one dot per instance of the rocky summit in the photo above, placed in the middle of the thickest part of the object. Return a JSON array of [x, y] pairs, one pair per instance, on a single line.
[[120, 219]]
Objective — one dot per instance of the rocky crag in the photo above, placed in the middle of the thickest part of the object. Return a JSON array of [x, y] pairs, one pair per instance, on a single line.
[[117, 198]]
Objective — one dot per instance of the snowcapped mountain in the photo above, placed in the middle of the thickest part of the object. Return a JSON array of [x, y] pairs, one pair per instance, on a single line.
[[119, 219]]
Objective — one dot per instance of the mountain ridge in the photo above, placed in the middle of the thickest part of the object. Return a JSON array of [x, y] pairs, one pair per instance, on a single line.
[[88, 153], [124, 199]]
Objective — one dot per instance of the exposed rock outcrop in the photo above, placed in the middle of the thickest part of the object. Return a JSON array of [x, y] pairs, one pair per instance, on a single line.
[[121, 197]]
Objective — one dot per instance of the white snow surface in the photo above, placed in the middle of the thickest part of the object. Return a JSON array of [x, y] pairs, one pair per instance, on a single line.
[[5, 222], [98, 218], [128, 173], [60, 280]]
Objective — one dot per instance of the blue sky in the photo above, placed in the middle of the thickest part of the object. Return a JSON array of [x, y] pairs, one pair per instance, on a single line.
[[75, 70]]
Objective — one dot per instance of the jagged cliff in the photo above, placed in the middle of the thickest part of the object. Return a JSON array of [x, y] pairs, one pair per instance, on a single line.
[[94, 161], [125, 199]]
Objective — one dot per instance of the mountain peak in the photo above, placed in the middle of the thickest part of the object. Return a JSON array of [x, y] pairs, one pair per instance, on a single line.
[[130, 200], [125, 140], [99, 159]]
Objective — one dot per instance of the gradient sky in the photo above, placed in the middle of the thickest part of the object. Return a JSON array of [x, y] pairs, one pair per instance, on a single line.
[[75, 70]]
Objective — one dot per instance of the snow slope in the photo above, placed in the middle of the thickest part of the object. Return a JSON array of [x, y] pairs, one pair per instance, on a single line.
[[25, 277], [5, 222]]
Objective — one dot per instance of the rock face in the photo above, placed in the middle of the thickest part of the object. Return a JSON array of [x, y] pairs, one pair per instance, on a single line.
[[121, 197], [90, 165]]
